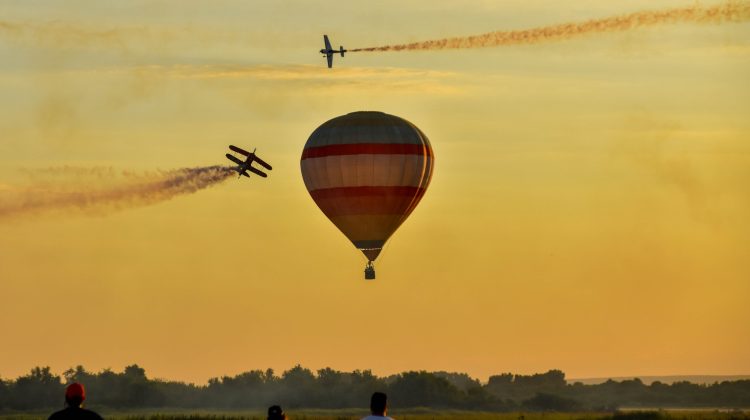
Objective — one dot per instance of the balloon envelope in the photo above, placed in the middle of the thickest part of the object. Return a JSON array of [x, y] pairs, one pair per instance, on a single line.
[[367, 172]]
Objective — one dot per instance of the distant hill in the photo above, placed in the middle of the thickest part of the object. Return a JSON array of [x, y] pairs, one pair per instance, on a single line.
[[696, 379]]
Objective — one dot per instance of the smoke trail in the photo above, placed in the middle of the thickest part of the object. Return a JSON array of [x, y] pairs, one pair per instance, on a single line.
[[727, 12], [102, 190]]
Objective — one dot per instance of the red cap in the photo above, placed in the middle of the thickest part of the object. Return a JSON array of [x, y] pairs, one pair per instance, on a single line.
[[75, 390]]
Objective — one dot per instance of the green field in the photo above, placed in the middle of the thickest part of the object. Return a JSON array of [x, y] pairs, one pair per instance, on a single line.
[[419, 414]]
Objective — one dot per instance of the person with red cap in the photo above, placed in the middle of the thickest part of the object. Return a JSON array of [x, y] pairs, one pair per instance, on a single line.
[[75, 394]]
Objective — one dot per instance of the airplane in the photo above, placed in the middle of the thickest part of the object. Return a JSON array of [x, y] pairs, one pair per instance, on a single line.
[[247, 165], [328, 52]]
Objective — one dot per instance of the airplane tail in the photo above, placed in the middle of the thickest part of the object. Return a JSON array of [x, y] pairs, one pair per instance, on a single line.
[[342, 50], [240, 172]]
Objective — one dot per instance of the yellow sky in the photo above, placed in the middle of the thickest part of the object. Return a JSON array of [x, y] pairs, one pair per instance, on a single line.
[[588, 210]]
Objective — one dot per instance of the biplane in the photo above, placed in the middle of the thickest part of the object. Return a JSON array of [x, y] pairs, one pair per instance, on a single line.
[[247, 165]]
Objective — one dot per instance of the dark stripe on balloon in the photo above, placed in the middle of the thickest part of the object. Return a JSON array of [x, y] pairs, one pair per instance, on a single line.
[[366, 149], [365, 192], [394, 132]]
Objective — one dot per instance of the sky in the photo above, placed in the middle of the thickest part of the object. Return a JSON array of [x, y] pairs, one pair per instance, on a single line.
[[588, 209]]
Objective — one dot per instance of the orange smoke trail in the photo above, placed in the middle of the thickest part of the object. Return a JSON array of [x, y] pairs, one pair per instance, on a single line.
[[130, 190], [728, 12]]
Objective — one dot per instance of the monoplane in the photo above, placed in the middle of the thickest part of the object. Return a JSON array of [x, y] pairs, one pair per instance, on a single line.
[[247, 165], [329, 52]]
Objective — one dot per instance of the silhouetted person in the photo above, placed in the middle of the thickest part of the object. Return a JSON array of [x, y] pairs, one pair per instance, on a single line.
[[276, 413], [378, 407], [74, 397]]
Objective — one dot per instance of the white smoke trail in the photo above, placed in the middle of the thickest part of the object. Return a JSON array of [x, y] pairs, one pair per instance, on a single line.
[[732, 11], [102, 190]]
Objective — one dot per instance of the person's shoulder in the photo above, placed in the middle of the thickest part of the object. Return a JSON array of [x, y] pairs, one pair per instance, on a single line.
[[377, 418], [79, 413], [91, 415], [57, 415]]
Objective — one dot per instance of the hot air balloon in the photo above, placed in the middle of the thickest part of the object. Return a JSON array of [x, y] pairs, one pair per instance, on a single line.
[[367, 172]]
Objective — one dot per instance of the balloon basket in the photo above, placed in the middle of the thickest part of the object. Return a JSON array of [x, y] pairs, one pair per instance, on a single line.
[[369, 271]]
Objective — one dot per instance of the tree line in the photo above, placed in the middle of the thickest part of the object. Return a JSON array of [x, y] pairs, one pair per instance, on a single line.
[[329, 388]]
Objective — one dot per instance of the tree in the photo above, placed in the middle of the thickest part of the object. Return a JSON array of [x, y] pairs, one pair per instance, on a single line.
[[298, 383], [414, 389], [550, 402], [40, 388]]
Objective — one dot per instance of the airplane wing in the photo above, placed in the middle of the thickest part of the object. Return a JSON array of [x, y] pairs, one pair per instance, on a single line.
[[238, 150], [263, 163], [328, 43], [256, 171], [330, 60], [234, 159]]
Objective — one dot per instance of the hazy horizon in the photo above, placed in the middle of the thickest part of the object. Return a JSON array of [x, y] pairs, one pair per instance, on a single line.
[[646, 379]]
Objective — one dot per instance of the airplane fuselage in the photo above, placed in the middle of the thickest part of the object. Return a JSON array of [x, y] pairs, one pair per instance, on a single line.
[[332, 52], [242, 170]]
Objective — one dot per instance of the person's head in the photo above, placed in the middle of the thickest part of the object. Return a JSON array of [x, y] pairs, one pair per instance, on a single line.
[[276, 413], [75, 394], [379, 403]]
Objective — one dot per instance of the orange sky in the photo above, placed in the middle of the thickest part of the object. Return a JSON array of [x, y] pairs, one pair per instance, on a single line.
[[588, 210]]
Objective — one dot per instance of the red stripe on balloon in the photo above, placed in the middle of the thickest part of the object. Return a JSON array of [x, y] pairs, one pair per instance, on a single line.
[[366, 149]]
